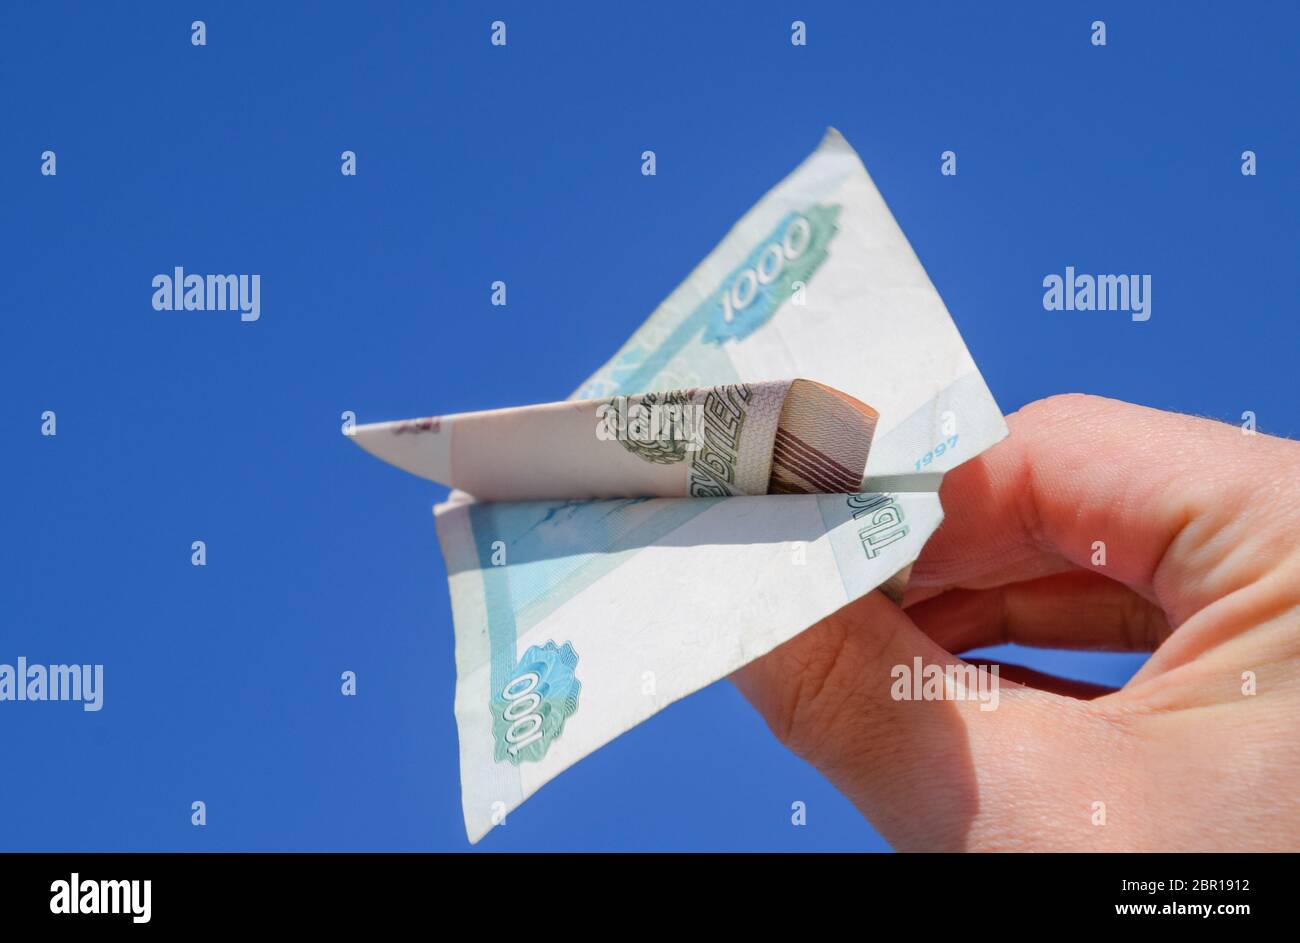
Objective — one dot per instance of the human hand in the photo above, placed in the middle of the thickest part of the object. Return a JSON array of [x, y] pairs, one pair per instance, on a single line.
[[1199, 751]]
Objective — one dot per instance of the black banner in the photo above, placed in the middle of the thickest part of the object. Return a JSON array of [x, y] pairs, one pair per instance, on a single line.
[[232, 891]]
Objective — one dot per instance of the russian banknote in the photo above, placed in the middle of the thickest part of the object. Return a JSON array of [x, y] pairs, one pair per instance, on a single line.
[[779, 437], [619, 587]]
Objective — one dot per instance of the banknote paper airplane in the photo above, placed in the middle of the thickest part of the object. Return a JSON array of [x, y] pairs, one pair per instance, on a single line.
[[764, 449]]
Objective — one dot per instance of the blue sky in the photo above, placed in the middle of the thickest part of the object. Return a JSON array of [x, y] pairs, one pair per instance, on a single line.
[[521, 163]]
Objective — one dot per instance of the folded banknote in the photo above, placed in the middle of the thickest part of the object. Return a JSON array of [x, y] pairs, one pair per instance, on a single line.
[[765, 448], [775, 437]]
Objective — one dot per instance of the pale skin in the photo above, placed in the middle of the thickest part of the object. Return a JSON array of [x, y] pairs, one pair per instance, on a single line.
[[1201, 526]]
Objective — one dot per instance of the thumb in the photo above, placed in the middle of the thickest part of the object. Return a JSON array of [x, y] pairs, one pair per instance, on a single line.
[[985, 764]]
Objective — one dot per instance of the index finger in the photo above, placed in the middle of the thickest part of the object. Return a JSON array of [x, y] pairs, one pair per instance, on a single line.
[[1155, 500]]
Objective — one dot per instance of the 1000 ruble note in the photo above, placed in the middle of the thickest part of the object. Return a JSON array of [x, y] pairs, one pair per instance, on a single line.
[[695, 504]]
